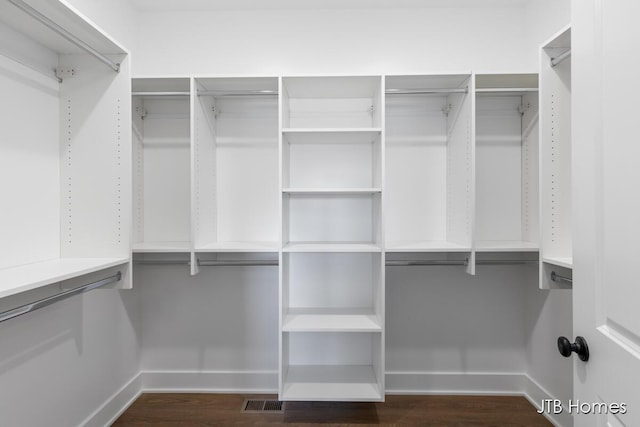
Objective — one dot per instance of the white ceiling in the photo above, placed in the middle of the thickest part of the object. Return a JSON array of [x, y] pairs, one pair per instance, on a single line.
[[316, 4]]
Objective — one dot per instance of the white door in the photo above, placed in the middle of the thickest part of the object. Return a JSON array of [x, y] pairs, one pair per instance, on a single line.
[[606, 163]]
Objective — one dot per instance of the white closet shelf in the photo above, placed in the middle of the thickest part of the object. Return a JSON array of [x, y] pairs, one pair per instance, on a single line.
[[331, 191], [31, 276], [331, 320], [372, 130], [331, 135], [240, 246], [161, 247], [506, 246], [566, 262], [426, 246], [356, 383], [339, 247]]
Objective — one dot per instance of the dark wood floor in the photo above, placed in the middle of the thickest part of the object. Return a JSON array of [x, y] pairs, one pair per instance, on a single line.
[[183, 410]]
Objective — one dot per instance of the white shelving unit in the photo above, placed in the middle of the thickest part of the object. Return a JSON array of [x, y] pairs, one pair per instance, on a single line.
[[332, 259], [555, 160], [235, 165], [429, 160], [506, 163], [65, 163], [161, 160]]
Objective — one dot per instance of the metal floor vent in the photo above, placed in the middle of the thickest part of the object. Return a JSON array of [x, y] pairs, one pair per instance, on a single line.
[[262, 406]]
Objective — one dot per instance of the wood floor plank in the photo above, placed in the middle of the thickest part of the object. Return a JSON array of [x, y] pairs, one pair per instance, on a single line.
[[200, 410]]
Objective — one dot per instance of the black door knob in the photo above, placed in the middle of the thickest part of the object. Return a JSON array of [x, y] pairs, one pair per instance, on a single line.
[[580, 347]]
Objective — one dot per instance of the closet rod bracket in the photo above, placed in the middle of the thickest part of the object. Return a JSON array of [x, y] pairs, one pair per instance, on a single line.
[[523, 108], [65, 72]]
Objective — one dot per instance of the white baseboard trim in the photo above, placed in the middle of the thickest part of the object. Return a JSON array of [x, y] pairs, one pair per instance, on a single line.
[[455, 383], [535, 393], [252, 382], [266, 382], [116, 404]]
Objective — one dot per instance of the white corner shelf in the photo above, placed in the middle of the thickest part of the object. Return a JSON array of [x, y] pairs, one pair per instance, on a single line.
[[332, 191], [239, 247], [331, 320], [506, 246], [161, 247], [426, 246], [354, 383], [566, 262], [31, 276], [338, 247]]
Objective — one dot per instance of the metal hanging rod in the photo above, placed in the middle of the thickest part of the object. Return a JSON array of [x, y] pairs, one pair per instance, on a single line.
[[462, 262], [426, 91], [506, 89], [558, 59], [177, 93], [28, 308], [401, 263], [161, 262], [211, 263], [561, 279], [65, 34], [389, 263], [223, 93], [506, 261]]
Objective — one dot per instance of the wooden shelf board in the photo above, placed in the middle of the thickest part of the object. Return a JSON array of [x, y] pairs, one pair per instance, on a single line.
[[331, 320], [331, 247], [161, 247], [239, 247], [31, 276], [356, 383], [426, 246]]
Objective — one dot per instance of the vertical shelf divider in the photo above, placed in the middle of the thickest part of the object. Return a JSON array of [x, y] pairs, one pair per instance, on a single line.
[[193, 106]]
